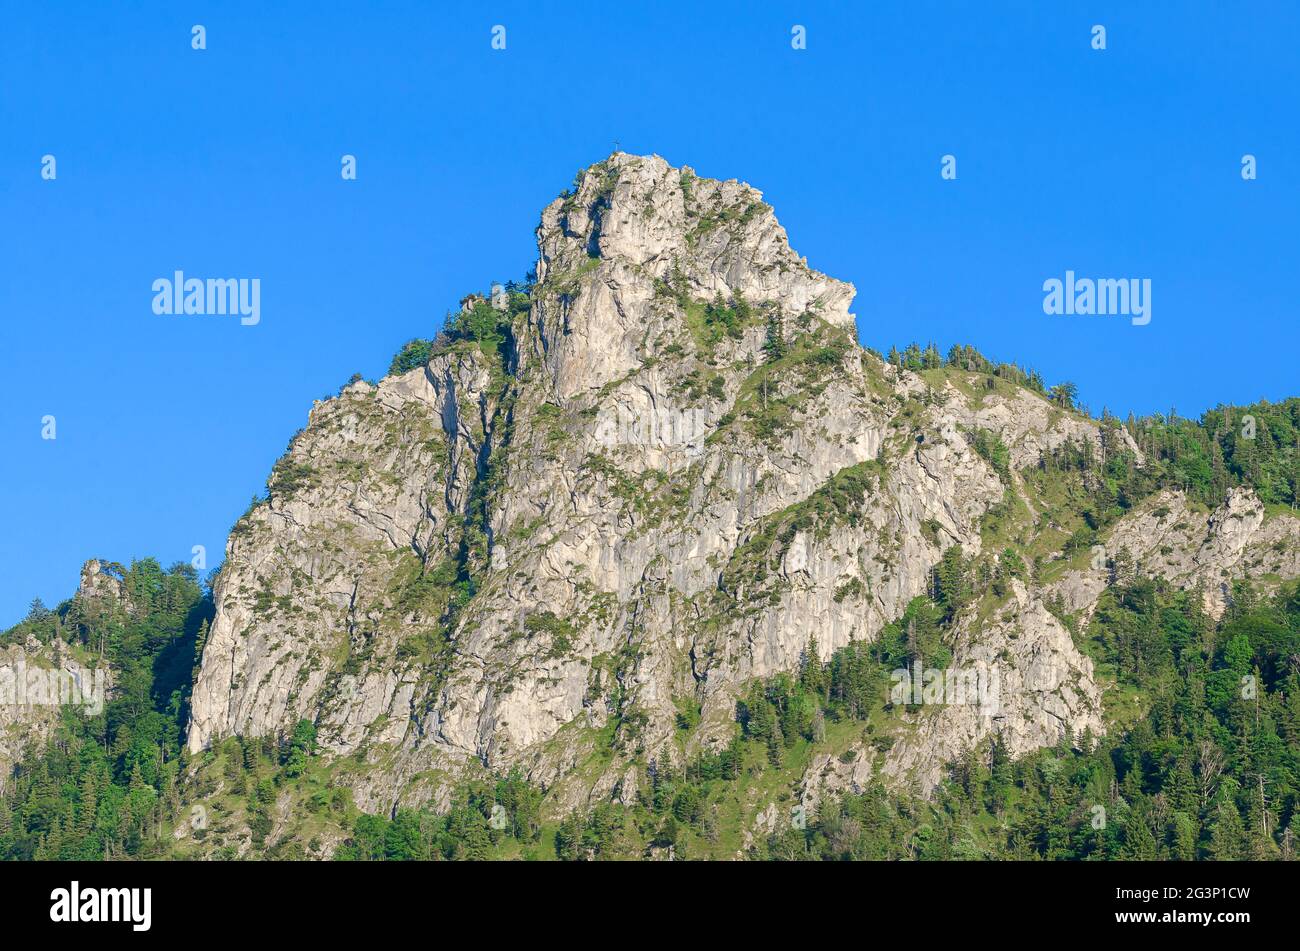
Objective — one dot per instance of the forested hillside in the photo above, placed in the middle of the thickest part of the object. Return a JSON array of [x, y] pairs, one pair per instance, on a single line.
[[105, 786], [1207, 771]]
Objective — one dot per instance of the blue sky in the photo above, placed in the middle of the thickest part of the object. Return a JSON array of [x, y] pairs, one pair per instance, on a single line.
[[225, 163]]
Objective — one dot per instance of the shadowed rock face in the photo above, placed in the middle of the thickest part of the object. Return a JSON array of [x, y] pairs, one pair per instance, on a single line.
[[678, 471]]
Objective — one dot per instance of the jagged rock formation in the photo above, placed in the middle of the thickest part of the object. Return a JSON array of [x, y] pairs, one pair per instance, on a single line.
[[675, 471], [101, 586], [1205, 549], [38, 680], [1044, 687]]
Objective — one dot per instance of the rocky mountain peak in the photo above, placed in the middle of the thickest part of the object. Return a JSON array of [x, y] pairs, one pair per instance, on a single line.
[[638, 247], [662, 222], [666, 471]]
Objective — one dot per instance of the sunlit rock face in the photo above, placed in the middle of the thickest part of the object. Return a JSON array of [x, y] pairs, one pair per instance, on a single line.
[[674, 474]]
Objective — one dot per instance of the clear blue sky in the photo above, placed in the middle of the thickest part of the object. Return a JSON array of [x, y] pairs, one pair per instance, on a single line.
[[225, 162]]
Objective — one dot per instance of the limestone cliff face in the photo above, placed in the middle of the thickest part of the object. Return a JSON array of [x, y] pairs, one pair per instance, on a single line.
[[1042, 688], [1194, 548], [675, 471], [38, 681]]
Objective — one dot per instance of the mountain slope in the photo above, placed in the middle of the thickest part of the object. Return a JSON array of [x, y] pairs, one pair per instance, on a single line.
[[654, 533], [667, 471]]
